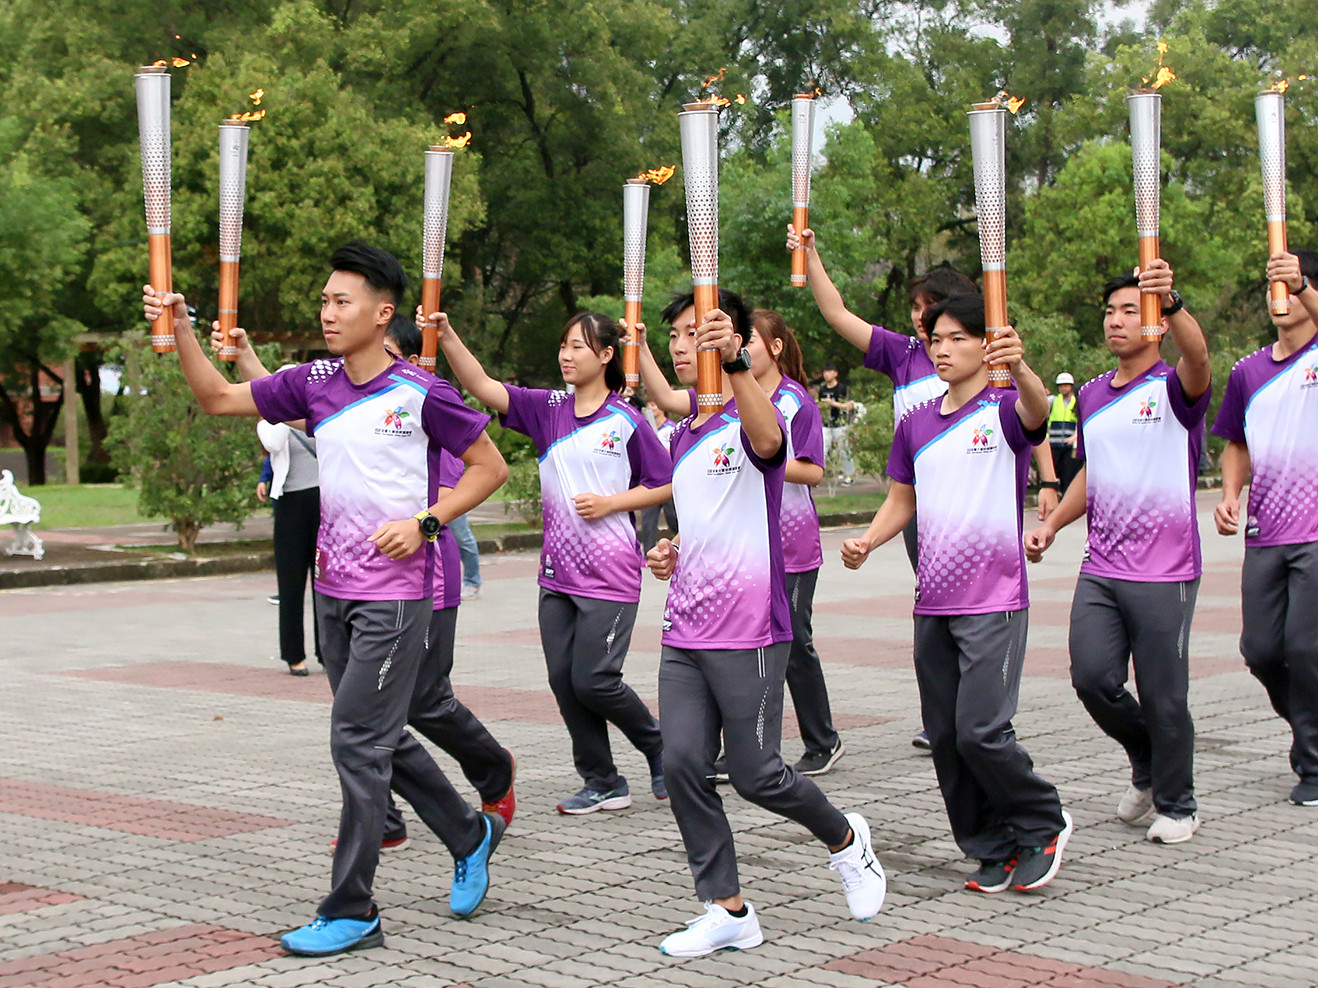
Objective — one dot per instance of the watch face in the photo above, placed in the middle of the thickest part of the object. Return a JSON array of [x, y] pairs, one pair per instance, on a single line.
[[430, 526]]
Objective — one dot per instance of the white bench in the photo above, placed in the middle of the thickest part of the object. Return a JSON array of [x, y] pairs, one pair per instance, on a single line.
[[22, 512]]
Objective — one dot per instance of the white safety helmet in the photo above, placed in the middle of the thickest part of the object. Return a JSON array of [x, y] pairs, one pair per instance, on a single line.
[[1065, 378]]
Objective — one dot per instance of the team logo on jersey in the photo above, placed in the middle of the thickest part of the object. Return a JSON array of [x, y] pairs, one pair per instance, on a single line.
[[393, 423], [1148, 413], [610, 443], [981, 439], [1310, 377], [723, 461]]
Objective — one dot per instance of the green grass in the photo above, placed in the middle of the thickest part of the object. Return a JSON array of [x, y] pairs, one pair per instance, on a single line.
[[87, 505], [845, 503]]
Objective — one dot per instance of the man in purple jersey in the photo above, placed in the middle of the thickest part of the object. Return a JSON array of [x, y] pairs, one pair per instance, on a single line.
[[1269, 417], [380, 426], [1139, 437], [961, 461]]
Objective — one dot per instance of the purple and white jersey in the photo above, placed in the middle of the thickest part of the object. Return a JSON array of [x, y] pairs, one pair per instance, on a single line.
[[805, 441], [1272, 407], [1140, 444], [969, 470], [378, 445], [665, 432], [609, 451], [906, 361], [728, 590], [448, 561]]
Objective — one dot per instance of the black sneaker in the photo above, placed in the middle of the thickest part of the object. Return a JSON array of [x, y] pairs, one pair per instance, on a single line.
[[991, 876], [1036, 866], [1305, 794], [721, 769], [819, 762]]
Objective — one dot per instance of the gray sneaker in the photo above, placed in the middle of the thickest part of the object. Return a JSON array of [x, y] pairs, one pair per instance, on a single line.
[[589, 800], [1136, 807], [1305, 794]]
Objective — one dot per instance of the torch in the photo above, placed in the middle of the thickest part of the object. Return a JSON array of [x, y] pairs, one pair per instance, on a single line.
[[153, 130], [698, 124], [803, 132], [635, 222], [988, 136], [1270, 111], [439, 177], [233, 190], [1146, 147]]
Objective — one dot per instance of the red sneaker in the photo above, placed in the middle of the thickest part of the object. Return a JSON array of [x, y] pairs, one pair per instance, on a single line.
[[507, 805]]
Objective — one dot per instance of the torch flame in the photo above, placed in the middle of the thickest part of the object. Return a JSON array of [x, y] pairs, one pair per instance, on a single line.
[[458, 142], [1281, 86], [717, 77], [1164, 74], [456, 118], [256, 99], [659, 175], [176, 62], [741, 98], [1014, 103]]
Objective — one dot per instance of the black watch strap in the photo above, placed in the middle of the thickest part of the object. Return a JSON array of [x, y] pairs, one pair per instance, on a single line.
[[1050, 485], [1177, 305], [1305, 285], [742, 363]]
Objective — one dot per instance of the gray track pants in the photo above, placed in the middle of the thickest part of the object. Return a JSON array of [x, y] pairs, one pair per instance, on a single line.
[[585, 641], [372, 652], [1279, 596], [968, 667], [805, 673], [737, 692], [1116, 624]]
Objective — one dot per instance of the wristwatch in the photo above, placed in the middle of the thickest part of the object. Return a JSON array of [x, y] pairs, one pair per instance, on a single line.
[[742, 363], [430, 525], [1305, 285], [1177, 305], [1050, 485]]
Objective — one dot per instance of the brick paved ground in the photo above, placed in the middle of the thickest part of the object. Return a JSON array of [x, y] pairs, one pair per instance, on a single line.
[[166, 802]]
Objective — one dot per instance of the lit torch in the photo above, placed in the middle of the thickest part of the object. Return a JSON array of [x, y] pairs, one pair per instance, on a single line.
[[1270, 111], [635, 227], [152, 83], [698, 124], [439, 179], [988, 137], [1146, 147], [803, 132], [233, 191]]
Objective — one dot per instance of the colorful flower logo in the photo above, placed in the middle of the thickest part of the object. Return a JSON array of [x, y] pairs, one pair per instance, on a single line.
[[1146, 408], [722, 456], [610, 440], [981, 436], [1311, 374], [395, 417]]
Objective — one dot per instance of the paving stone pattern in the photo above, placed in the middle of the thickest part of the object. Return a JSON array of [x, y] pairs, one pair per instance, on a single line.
[[167, 803]]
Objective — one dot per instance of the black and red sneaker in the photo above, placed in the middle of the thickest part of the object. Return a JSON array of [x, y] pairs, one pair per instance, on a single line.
[[1036, 866], [991, 876]]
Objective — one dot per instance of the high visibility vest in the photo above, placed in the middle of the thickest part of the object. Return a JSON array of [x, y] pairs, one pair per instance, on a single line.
[[1061, 419]]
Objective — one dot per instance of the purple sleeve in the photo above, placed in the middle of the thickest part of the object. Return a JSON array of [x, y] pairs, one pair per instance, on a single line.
[[1013, 429], [885, 348], [778, 458], [282, 397], [450, 469], [1190, 414], [652, 464], [449, 423], [526, 414], [901, 458], [1230, 421], [695, 408], [808, 434]]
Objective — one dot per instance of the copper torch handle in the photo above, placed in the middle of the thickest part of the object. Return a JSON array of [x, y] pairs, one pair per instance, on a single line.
[[631, 349], [228, 308], [800, 222], [1150, 302], [1279, 293], [709, 365], [429, 331], [160, 273], [995, 320]]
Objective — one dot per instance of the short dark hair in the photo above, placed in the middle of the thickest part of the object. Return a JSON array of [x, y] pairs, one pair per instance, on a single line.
[[1116, 284], [966, 308], [600, 332], [1308, 262], [380, 268], [404, 332], [729, 302], [938, 284]]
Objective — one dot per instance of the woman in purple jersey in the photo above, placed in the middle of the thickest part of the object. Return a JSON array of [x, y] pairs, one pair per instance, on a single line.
[[599, 461]]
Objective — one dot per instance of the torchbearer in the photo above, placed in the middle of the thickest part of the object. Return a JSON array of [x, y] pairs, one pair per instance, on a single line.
[[233, 187], [152, 83], [635, 223], [1146, 148], [803, 132], [699, 133], [988, 138], [1270, 112], [439, 179]]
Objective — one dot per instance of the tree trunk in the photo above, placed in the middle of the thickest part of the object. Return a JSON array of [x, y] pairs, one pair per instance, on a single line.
[[188, 530], [89, 388], [35, 454]]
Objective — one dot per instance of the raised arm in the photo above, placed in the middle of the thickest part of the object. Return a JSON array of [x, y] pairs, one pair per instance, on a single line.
[[759, 419], [1286, 267], [249, 364], [469, 372], [1032, 403], [215, 394], [1193, 369], [675, 401], [850, 326]]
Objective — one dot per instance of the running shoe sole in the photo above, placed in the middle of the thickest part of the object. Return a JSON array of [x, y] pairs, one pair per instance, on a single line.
[[746, 943], [616, 803], [1059, 845], [975, 886], [833, 757], [373, 939]]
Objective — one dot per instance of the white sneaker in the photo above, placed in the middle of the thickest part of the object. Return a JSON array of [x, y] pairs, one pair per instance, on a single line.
[[470, 591], [1136, 807], [718, 929], [1172, 829], [862, 876]]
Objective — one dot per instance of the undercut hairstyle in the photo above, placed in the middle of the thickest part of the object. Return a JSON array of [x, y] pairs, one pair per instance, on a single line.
[[1116, 284], [729, 302], [600, 332], [380, 269], [966, 308], [405, 334], [939, 284], [773, 327], [1308, 262]]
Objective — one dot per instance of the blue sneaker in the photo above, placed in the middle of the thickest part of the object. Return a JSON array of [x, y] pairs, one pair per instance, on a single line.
[[471, 875], [324, 936]]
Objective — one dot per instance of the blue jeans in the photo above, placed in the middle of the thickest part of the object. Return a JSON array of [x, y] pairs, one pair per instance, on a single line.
[[468, 550]]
